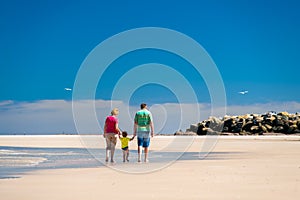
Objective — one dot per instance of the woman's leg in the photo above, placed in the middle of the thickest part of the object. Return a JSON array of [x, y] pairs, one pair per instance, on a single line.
[[108, 148], [113, 147]]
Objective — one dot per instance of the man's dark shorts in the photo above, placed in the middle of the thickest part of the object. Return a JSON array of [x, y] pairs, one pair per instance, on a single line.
[[143, 138]]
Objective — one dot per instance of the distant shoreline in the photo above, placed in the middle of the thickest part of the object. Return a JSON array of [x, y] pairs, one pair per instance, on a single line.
[[223, 135]]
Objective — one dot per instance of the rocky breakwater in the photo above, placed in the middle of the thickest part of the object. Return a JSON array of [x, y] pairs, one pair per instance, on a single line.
[[249, 124]]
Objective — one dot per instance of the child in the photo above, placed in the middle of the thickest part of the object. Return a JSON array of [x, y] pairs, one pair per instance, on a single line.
[[124, 142]]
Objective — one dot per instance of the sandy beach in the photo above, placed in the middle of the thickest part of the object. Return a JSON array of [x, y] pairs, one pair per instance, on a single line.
[[254, 167]]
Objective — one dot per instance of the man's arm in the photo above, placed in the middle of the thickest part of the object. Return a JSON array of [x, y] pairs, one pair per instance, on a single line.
[[151, 125], [134, 129], [152, 128], [135, 125]]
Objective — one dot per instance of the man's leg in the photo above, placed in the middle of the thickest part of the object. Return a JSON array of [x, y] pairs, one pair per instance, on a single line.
[[146, 144], [140, 143], [139, 154], [146, 154]]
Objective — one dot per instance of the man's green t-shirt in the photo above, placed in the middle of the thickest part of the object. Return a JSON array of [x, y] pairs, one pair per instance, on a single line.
[[142, 119]]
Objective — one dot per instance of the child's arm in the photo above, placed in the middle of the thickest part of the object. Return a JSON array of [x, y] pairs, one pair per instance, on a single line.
[[132, 138]]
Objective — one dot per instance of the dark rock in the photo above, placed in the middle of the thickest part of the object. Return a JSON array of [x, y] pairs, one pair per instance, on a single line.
[[249, 124], [201, 130], [185, 133]]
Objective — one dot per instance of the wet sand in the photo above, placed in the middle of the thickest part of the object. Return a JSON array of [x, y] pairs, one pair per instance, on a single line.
[[254, 167]]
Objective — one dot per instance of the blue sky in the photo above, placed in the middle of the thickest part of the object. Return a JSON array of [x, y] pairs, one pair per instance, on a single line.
[[255, 45]]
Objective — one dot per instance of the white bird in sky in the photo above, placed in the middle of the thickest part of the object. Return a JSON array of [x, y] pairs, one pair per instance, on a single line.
[[243, 92], [68, 89]]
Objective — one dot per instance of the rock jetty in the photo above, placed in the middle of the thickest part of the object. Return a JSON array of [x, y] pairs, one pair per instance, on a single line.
[[271, 123]]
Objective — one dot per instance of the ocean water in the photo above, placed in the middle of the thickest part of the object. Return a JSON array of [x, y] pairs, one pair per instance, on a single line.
[[14, 161], [17, 160], [38, 133]]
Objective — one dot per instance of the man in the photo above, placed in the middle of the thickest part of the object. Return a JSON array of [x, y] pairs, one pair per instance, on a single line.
[[143, 124]]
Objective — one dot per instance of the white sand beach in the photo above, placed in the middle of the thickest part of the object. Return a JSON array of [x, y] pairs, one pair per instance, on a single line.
[[254, 167]]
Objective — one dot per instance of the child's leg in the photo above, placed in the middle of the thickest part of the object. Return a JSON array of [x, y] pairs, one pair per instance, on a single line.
[[127, 155], [124, 155]]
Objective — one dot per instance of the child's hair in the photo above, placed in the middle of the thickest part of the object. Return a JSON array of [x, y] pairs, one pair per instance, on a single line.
[[124, 134]]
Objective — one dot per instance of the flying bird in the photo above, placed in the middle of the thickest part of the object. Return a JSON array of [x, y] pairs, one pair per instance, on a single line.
[[68, 89], [243, 92]]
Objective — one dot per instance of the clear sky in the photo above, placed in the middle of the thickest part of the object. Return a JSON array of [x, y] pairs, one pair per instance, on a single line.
[[255, 45]]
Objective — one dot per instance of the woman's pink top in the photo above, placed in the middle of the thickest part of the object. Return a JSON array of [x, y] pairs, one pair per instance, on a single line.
[[111, 122]]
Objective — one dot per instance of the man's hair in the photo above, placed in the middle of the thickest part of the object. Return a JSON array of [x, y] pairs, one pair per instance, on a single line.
[[143, 105]]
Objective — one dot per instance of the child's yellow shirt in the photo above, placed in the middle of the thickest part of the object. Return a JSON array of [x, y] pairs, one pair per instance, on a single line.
[[124, 141]]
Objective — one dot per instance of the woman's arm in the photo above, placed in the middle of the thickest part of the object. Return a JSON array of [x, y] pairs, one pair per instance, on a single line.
[[104, 134], [117, 128]]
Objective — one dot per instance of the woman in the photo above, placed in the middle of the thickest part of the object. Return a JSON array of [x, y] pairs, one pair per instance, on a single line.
[[111, 130]]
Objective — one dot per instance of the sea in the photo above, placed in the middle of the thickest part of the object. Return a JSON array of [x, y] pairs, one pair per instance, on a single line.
[[15, 161]]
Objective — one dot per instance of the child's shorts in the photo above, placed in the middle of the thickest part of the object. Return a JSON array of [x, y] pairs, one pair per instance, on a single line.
[[125, 148]]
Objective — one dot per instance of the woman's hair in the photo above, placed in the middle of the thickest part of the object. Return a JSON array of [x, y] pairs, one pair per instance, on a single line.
[[115, 111]]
